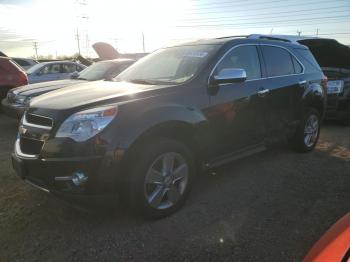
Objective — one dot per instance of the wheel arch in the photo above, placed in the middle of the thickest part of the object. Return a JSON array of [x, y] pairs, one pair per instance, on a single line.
[[315, 97]]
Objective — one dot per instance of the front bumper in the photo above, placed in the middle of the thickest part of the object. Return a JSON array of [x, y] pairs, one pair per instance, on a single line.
[[12, 110], [101, 171]]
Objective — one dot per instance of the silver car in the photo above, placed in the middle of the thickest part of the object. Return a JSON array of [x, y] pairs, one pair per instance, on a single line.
[[50, 71]]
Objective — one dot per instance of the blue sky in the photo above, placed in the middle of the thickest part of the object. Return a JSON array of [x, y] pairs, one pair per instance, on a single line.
[[54, 24]]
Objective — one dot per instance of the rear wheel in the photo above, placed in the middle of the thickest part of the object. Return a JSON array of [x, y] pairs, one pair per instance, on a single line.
[[160, 178], [307, 133]]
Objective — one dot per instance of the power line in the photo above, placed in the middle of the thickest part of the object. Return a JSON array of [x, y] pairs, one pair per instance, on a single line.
[[281, 33], [234, 4], [253, 23], [264, 26], [265, 8], [269, 14], [268, 17]]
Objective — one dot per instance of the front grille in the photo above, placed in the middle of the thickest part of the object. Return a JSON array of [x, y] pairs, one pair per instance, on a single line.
[[30, 146], [39, 120]]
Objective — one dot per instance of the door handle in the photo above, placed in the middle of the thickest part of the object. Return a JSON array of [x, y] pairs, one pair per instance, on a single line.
[[263, 92], [302, 82]]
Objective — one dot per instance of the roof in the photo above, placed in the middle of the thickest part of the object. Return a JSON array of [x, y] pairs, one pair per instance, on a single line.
[[213, 41], [256, 39], [55, 62]]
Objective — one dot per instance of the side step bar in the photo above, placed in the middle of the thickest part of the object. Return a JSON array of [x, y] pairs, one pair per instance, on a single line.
[[221, 160]]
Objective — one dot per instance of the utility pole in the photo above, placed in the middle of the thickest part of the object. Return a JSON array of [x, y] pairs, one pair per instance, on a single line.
[[143, 42], [78, 40], [271, 31], [299, 32], [35, 46], [317, 30]]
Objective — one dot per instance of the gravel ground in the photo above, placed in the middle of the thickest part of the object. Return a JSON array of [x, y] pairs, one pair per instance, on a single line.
[[268, 207]]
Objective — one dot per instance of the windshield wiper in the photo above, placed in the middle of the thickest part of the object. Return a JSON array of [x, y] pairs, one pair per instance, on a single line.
[[81, 78], [142, 81], [149, 82]]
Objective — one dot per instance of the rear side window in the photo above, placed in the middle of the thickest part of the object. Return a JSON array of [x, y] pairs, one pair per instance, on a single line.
[[278, 61], [308, 60], [244, 57]]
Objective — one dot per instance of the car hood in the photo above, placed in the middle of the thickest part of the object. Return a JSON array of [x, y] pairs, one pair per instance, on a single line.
[[97, 92], [33, 90]]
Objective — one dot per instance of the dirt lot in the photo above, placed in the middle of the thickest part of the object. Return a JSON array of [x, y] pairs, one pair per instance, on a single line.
[[269, 207]]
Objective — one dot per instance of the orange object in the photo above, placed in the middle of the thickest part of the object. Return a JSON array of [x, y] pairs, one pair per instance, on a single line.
[[334, 244]]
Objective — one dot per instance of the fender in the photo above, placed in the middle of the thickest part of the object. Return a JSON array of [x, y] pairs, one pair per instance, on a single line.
[[314, 96], [174, 113]]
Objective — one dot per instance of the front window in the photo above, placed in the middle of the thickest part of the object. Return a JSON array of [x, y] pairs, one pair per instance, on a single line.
[[172, 65]]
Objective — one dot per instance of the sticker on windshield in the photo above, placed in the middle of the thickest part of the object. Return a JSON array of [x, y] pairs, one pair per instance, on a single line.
[[196, 54]]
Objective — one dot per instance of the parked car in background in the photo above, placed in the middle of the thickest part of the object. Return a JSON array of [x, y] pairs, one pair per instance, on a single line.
[[11, 75], [25, 63], [144, 135], [334, 59], [18, 99], [50, 71]]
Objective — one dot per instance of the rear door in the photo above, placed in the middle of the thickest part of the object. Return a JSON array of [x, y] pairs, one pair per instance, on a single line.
[[235, 111], [281, 89]]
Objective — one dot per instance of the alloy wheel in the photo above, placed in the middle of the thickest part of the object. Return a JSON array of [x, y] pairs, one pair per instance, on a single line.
[[311, 130], [166, 180]]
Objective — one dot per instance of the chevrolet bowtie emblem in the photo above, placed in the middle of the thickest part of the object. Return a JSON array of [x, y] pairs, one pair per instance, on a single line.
[[22, 130]]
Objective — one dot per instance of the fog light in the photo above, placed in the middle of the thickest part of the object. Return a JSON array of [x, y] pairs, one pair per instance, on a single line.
[[79, 178]]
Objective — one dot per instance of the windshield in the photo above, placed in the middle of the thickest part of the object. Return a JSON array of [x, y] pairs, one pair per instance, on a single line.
[[170, 65], [96, 71]]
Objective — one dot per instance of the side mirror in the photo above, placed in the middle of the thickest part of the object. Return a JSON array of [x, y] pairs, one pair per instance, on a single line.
[[229, 76], [74, 75]]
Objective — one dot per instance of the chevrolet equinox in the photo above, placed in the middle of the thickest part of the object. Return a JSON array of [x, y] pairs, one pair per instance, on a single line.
[[144, 135]]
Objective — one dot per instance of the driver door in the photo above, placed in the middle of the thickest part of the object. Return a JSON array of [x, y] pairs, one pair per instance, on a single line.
[[235, 112]]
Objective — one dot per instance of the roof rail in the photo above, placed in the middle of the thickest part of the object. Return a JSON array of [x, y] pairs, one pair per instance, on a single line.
[[232, 36], [274, 39]]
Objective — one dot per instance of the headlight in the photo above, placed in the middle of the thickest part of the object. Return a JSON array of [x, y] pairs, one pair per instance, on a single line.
[[85, 124], [27, 100], [20, 99]]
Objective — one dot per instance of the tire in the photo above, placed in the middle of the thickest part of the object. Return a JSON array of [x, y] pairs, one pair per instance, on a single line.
[[154, 189], [306, 137]]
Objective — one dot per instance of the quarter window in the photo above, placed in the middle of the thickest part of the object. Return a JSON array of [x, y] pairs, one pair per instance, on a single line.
[[278, 61], [298, 69], [243, 57]]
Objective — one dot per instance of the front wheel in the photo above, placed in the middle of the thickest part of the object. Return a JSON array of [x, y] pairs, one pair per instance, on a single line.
[[161, 176], [307, 133]]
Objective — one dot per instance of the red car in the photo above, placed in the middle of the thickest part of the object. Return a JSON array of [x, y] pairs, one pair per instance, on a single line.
[[334, 245], [11, 75]]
